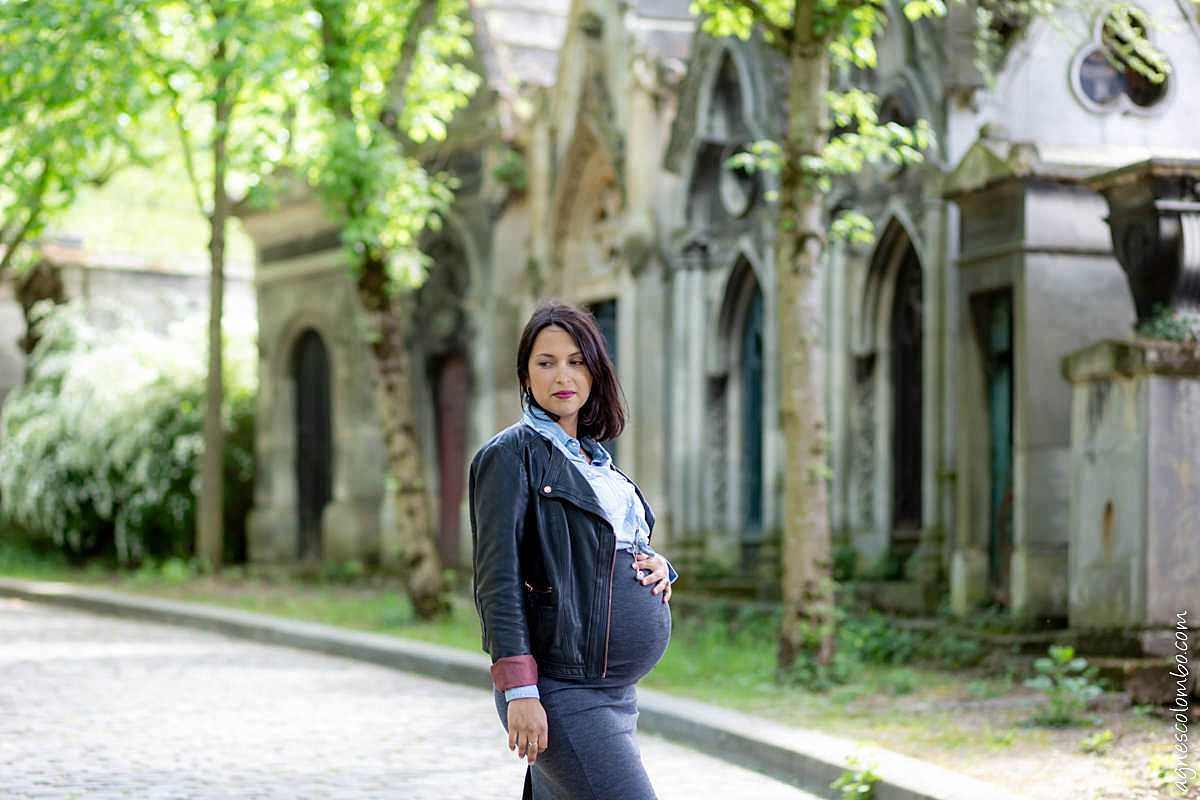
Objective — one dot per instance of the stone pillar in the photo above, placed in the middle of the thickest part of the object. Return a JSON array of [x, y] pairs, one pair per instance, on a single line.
[[1135, 418], [1135, 483], [686, 409]]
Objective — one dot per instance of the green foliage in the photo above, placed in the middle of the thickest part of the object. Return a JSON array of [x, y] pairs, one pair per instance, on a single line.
[[857, 782], [1098, 743], [382, 199], [1164, 772], [889, 566], [25, 556], [1068, 684], [954, 651], [861, 139], [807, 671], [845, 562], [853, 227], [1171, 325], [250, 58], [99, 449], [69, 109], [873, 639], [363, 158], [348, 571], [511, 170], [898, 682]]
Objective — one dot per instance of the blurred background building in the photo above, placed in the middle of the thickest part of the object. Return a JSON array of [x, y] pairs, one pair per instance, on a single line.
[[594, 168]]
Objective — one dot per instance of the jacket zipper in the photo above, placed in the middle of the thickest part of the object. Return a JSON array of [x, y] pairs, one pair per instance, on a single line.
[[608, 629]]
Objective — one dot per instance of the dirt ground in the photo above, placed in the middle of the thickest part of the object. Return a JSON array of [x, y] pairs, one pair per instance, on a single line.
[[987, 738]]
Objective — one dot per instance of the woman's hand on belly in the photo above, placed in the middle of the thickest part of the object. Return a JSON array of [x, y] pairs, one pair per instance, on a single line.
[[653, 572], [527, 728]]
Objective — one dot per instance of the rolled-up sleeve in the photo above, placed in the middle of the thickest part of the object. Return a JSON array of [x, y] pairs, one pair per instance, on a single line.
[[499, 498]]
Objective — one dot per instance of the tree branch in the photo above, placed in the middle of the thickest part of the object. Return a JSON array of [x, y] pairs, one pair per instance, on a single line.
[[423, 17], [35, 209]]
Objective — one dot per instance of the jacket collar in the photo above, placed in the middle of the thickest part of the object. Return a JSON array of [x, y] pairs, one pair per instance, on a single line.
[[563, 476], [541, 422]]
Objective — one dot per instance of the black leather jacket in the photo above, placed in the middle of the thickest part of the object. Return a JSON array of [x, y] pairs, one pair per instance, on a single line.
[[544, 556]]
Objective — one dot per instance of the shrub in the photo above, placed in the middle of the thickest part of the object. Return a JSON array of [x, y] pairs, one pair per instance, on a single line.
[[1068, 684], [858, 781], [1171, 325], [875, 639], [99, 449], [845, 562]]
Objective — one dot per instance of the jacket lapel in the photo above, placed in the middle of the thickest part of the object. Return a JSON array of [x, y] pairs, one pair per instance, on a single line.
[[565, 481]]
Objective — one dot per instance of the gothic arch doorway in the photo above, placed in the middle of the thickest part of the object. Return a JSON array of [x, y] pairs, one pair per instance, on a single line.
[[905, 332], [888, 422], [314, 439], [451, 389], [750, 365]]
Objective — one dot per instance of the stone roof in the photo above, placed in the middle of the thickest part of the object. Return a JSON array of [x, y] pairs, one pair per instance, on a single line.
[[662, 28], [992, 160], [519, 40]]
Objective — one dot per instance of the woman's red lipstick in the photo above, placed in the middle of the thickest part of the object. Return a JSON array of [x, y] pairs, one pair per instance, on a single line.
[[564, 395]]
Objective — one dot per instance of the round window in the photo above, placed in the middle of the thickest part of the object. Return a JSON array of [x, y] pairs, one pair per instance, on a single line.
[[1120, 69]]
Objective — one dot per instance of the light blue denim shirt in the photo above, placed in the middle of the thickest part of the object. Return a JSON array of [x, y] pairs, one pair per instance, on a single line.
[[616, 495]]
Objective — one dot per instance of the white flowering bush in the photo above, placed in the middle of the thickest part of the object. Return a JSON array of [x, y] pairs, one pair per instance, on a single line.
[[100, 447]]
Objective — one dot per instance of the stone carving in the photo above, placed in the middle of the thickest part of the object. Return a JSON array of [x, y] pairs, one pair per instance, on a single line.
[[1154, 221], [1101, 79]]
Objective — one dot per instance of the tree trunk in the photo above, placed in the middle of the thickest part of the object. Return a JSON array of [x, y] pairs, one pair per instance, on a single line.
[[411, 546], [42, 282], [807, 621], [210, 533]]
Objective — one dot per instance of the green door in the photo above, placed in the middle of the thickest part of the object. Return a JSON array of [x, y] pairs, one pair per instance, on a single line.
[[997, 329]]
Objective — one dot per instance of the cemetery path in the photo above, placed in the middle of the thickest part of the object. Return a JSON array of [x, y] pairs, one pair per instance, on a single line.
[[96, 707]]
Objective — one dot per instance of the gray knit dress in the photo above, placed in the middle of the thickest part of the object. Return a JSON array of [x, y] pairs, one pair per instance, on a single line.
[[593, 752]]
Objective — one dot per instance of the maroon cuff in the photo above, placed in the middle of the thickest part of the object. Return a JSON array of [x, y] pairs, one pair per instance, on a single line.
[[514, 671]]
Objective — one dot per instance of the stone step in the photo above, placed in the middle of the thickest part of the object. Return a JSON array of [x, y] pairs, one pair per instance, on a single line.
[[1147, 679]]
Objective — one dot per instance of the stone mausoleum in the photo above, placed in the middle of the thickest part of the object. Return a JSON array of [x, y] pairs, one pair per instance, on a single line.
[[960, 420]]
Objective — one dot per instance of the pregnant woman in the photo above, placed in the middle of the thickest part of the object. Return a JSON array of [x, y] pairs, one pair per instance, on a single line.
[[572, 599]]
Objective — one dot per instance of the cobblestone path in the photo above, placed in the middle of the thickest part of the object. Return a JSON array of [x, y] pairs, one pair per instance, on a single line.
[[97, 707]]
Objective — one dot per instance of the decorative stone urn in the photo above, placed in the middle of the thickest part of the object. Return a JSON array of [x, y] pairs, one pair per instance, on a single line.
[[1154, 220]]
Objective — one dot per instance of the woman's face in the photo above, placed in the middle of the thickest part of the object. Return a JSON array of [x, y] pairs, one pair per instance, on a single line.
[[558, 376]]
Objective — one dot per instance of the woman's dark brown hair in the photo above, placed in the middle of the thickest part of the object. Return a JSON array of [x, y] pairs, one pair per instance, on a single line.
[[603, 415]]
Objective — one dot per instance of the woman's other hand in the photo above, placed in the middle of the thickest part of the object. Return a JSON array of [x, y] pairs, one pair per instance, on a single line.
[[528, 733], [653, 570]]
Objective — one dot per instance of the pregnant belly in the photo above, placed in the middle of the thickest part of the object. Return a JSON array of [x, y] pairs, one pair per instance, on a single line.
[[641, 627]]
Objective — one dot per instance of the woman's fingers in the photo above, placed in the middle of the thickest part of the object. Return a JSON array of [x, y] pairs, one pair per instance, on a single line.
[[527, 728], [655, 568], [538, 743], [531, 744]]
